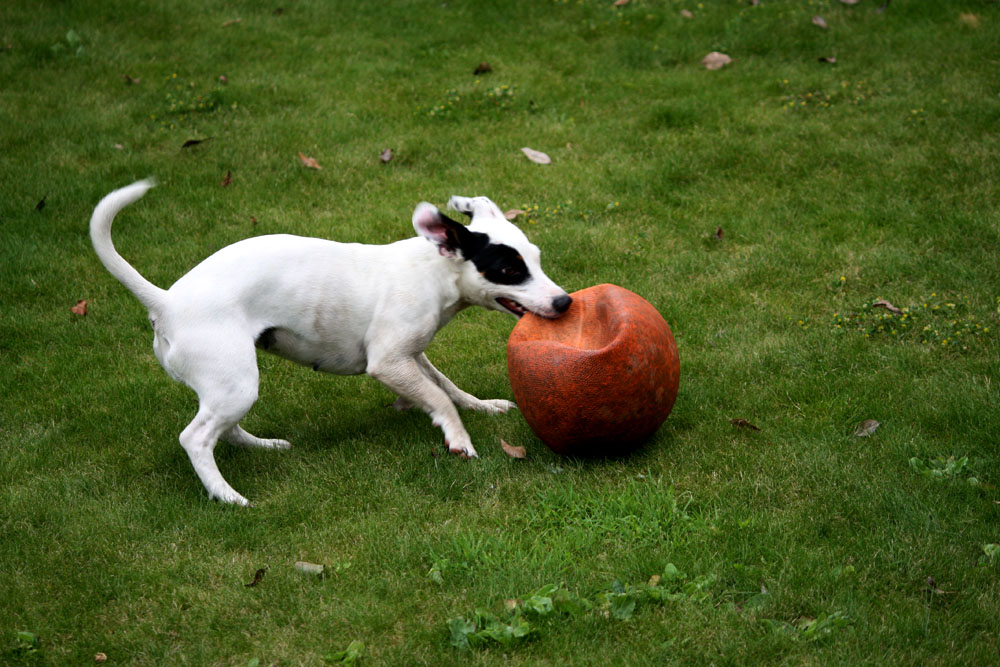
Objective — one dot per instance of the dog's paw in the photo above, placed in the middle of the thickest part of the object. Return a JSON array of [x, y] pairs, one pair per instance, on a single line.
[[466, 450], [230, 496], [495, 406]]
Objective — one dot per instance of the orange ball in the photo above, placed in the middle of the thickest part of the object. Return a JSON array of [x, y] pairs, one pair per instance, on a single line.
[[598, 380]]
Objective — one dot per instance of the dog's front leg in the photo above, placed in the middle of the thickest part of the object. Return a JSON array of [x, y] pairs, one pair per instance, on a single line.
[[463, 399], [404, 376]]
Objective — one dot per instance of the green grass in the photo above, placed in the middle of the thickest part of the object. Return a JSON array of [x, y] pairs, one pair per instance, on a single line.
[[835, 185]]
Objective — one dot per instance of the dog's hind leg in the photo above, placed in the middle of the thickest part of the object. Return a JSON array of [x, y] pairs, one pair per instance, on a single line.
[[237, 436], [225, 378], [461, 398]]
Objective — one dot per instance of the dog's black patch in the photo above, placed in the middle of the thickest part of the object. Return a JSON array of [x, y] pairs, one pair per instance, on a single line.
[[501, 264], [266, 338]]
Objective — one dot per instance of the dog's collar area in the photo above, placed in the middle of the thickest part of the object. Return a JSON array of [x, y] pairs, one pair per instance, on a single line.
[[511, 305]]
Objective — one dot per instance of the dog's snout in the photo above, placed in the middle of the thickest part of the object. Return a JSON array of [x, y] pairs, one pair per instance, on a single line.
[[561, 303]]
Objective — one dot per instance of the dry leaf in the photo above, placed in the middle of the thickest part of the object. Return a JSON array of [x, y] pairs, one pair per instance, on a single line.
[[716, 60], [828, 59], [118, 147], [253, 220], [228, 180], [231, 22], [386, 155], [819, 21], [513, 213], [969, 20], [131, 80], [482, 68], [193, 142], [743, 423], [866, 428], [882, 303], [512, 451], [718, 234], [621, 3], [654, 581], [80, 308], [308, 161], [258, 576], [511, 604], [850, 2], [686, 13], [100, 657], [536, 156]]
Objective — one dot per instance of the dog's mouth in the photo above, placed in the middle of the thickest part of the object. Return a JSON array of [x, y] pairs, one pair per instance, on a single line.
[[511, 305]]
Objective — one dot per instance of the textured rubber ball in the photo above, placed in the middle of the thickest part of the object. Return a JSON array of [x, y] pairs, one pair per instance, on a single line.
[[599, 380]]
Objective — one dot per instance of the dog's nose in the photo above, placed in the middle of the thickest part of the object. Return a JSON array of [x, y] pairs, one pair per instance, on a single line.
[[561, 303]]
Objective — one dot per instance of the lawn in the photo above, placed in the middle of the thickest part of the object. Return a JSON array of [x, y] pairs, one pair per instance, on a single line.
[[818, 221]]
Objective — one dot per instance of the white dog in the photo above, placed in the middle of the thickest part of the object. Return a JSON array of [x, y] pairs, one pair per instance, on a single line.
[[343, 308]]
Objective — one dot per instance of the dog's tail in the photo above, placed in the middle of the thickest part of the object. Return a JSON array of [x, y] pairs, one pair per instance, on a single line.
[[149, 294]]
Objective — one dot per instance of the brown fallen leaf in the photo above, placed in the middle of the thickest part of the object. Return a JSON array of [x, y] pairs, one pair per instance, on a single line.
[[308, 161], [131, 80], [231, 22], [258, 576], [385, 156], [718, 234], [512, 451], [118, 147], [536, 156], [513, 213], [866, 428], [193, 142], [621, 3], [882, 303], [828, 59], [716, 60], [743, 423], [686, 13], [969, 20], [482, 68], [80, 308], [228, 180], [820, 22], [654, 581], [100, 657], [850, 2], [253, 220]]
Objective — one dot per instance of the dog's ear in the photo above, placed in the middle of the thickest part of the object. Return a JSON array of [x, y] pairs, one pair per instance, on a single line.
[[439, 229]]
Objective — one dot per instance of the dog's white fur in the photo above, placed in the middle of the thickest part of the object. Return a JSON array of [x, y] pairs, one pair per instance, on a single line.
[[341, 308]]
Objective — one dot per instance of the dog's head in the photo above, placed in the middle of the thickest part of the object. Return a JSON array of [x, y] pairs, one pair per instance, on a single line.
[[501, 269]]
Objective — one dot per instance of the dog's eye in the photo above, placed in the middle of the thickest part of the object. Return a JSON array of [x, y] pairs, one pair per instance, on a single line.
[[509, 272]]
